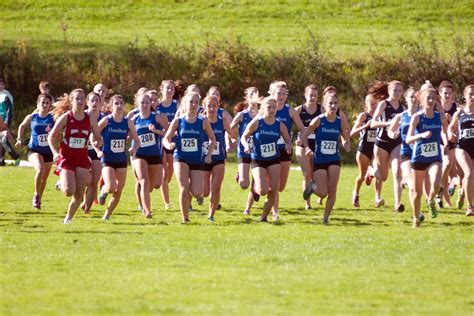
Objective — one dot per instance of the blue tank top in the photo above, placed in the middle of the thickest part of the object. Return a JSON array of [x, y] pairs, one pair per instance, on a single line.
[[428, 150], [39, 135], [190, 140], [327, 140], [150, 143], [218, 153], [405, 149], [169, 111], [265, 140], [283, 116], [246, 118], [115, 139]]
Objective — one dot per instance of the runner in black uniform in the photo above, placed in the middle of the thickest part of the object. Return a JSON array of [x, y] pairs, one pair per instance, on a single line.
[[387, 149]]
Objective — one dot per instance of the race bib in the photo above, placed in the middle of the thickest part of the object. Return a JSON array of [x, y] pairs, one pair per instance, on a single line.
[[429, 150], [89, 145], [147, 139], [189, 145], [328, 147], [468, 133], [268, 150], [250, 141], [43, 140], [371, 136], [205, 148], [117, 145], [75, 142]]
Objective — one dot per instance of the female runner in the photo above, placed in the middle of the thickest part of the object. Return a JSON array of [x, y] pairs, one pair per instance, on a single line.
[[93, 101], [168, 106], [266, 130], [287, 115], [462, 129], [240, 122], [214, 172], [427, 130], [115, 127], [74, 164], [307, 112], [188, 150], [146, 162], [39, 153], [326, 159], [385, 148], [365, 150]]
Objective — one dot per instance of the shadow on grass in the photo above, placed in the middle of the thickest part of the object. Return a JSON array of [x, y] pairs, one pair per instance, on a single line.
[[101, 232]]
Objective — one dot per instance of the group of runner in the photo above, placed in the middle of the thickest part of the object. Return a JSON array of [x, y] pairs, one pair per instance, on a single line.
[[429, 145]]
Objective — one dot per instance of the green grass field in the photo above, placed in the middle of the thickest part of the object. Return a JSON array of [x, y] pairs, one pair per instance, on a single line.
[[368, 261], [345, 28]]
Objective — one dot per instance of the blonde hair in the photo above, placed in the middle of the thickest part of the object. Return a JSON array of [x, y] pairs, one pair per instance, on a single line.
[[276, 85], [265, 101], [185, 101]]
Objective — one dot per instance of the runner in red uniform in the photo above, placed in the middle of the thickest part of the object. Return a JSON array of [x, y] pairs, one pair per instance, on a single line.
[[73, 163]]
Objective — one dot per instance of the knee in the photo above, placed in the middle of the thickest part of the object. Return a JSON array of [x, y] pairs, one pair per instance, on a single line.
[[40, 172], [261, 190], [244, 184], [321, 192], [110, 188], [196, 192], [68, 191], [415, 194]]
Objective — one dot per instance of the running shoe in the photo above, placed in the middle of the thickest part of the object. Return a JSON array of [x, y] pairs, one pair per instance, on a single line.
[[368, 179], [105, 217], [469, 211], [416, 223], [422, 217], [263, 220], [320, 201], [102, 197], [379, 202], [17, 162], [460, 201], [275, 217], [185, 221], [36, 202], [200, 200], [237, 177], [400, 208], [307, 207], [167, 206], [355, 199], [451, 189], [325, 222], [190, 208], [404, 185], [58, 185], [219, 206], [246, 212], [211, 219], [439, 198], [432, 208], [149, 215], [308, 191], [67, 221]]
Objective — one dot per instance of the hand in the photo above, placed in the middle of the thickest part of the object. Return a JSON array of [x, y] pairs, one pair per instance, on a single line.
[[151, 127], [367, 125], [48, 129], [207, 160], [100, 154], [56, 157], [426, 134], [347, 146], [18, 143], [454, 137], [172, 146], [308, 151], [289, 148], [299, 142], [133, 150], [247, 149], [98, 143]]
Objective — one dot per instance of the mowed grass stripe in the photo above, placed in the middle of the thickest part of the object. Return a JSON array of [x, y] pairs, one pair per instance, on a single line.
[[367, 261]]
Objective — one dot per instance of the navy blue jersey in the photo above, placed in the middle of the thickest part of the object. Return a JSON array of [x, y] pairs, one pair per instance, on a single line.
[[427, 150], [190, 140], [246, 118], [283, 116], [39, 135], [466, 130], [218, 154], [115, 137], [265, 140], [327, 140], [169, 111], [150, 143], [367, 135], [405, 149]]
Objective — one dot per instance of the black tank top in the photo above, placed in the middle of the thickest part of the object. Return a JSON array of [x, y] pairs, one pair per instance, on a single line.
[[305, 117], [452, 110], [388, 114], [367, 135], [466, 129]]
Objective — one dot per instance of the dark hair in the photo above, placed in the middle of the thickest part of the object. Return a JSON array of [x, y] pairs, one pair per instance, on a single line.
[[179, 90], [240, 106], [44, 95], [445, 84]]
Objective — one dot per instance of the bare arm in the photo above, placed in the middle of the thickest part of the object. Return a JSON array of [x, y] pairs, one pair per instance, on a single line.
[[411, 137], [21, 129], [296, 119], [249, 130], [170, 133], [286, 136], [133, 133], [212, 139], [358, 126], [376, 123], [393, 129], [310, 129], [55, 132], [95, 131], [453, 127]]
